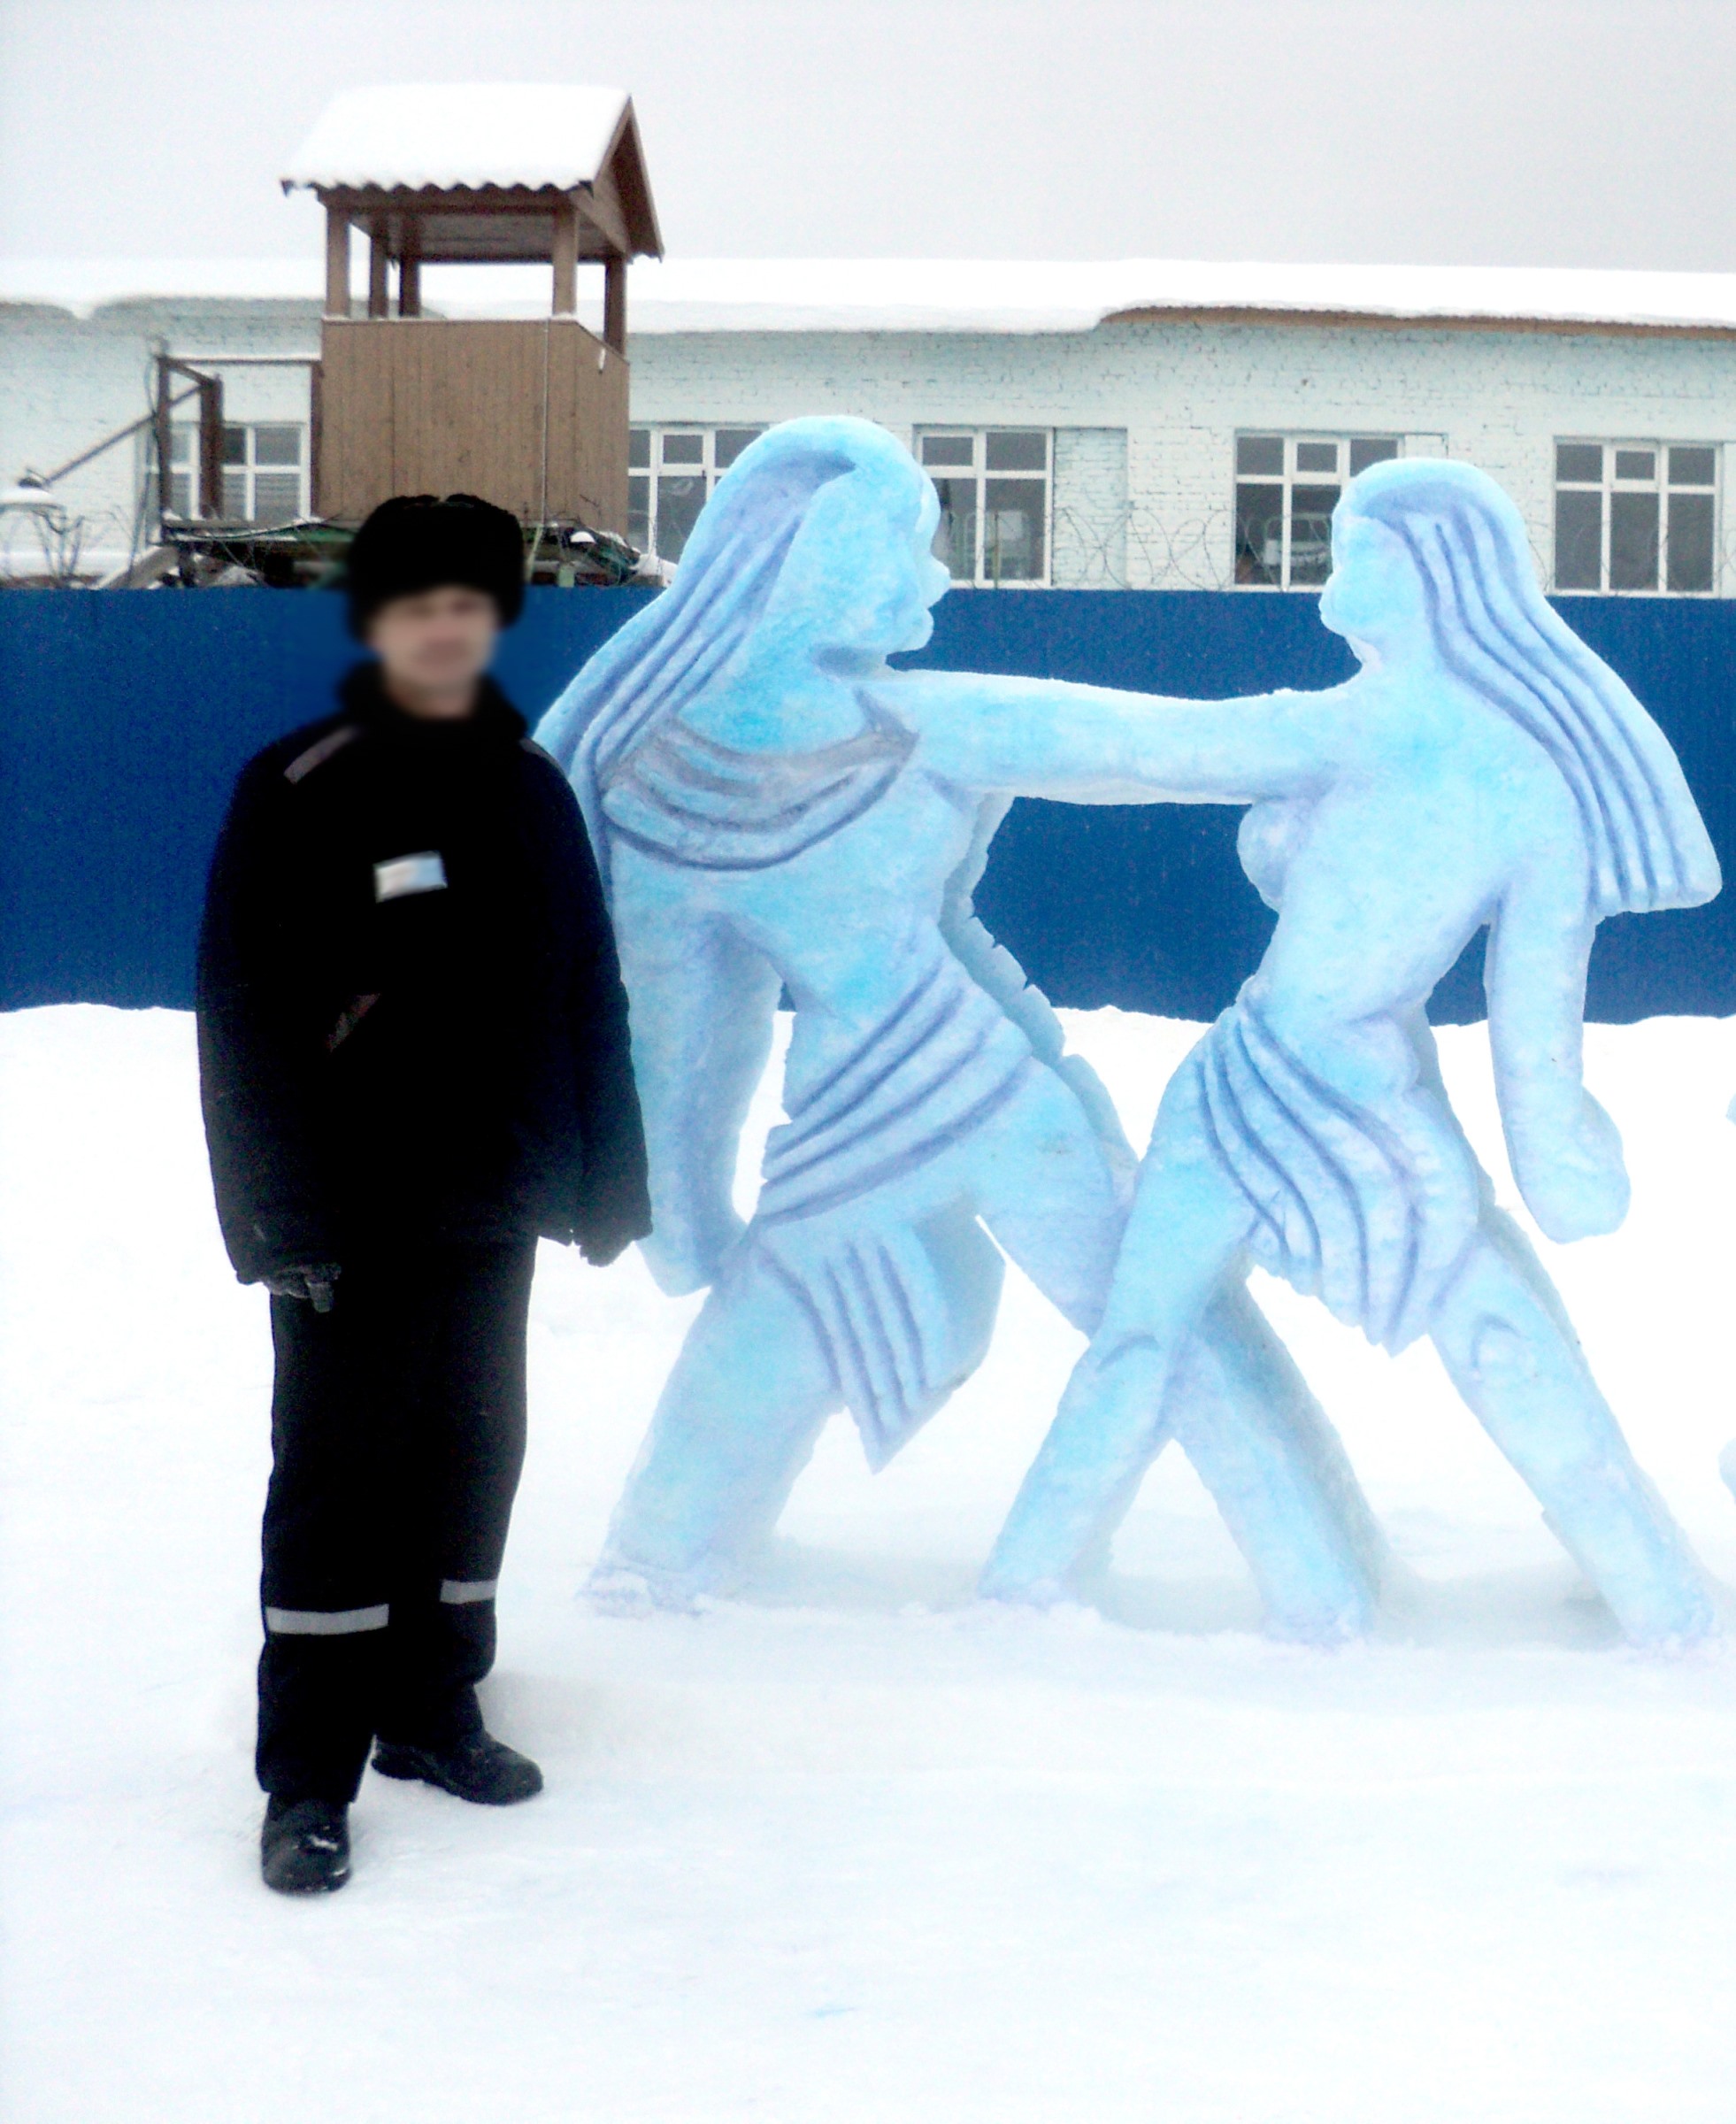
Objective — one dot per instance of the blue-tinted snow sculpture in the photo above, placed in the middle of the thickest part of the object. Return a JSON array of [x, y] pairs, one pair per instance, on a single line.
[[772, 805], [1483, 767]]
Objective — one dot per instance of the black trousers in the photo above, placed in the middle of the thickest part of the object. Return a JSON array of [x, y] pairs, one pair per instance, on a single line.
[[397, 1440]]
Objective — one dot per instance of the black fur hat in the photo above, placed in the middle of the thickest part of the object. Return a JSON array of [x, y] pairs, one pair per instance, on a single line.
[[415, 542]]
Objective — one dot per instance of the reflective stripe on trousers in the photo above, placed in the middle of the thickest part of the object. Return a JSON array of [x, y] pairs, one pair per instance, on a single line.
[[346, 1622], [326, 1622]]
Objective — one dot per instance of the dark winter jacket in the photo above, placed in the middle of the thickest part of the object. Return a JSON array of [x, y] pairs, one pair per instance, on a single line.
[[412, 1022]]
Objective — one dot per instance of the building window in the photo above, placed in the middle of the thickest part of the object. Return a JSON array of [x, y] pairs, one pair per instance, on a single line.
[[1286, 488], [671, 472], [264, 471], [1636, 516], [994, 485]]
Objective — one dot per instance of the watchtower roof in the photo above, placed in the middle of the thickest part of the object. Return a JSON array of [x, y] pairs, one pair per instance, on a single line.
[[479, 165]]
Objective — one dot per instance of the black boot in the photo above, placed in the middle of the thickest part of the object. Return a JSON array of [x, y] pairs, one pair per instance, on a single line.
[[482, 1770], [304, 1846]]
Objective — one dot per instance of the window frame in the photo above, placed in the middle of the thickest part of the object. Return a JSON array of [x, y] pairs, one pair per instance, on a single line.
[[1609, 485], [980, 473], [249, 471], [1289, 479], [184, 483], [704, 468]]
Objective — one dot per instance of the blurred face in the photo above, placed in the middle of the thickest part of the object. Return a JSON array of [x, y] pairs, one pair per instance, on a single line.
[[1373, 594], [434, 647]]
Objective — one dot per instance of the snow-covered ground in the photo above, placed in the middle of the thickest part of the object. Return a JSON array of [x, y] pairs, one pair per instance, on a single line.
[[852, 1850]]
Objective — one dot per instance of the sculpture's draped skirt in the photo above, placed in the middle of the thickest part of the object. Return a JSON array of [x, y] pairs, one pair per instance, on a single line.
[[899, 1286], [898, 1281], [1369, 1207]]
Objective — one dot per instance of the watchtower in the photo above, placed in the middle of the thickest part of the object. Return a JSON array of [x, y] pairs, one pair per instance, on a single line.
[[528, 413]]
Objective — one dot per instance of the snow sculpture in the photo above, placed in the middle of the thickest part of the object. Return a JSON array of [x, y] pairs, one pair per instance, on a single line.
[[1483, 766], [771, 805]]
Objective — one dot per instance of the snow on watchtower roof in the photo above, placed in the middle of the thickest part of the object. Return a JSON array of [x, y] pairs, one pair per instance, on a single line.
[[482, 167]]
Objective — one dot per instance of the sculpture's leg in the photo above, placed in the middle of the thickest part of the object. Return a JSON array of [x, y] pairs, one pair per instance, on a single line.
[[1228, 1392], [1278, 1472], [1043, 1186], [1503, 1338], [1046, 1192], [737, 1421], [1260, 1443]]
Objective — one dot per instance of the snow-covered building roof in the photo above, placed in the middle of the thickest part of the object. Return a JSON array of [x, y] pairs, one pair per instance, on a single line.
[[954, 295], [460, 136], [1017, 295]]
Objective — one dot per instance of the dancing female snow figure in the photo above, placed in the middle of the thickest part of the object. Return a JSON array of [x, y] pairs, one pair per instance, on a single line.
[[771, 805], [1484, 767]]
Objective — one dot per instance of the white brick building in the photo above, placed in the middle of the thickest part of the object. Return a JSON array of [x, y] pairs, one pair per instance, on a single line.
[[1144, 425]]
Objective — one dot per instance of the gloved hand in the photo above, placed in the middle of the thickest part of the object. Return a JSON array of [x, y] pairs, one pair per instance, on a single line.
[[313, 1282]]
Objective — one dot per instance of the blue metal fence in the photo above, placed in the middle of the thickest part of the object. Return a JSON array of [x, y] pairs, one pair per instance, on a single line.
[[124, 717]]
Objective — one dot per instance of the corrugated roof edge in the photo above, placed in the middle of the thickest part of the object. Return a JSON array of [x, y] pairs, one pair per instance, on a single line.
[[461, 135]]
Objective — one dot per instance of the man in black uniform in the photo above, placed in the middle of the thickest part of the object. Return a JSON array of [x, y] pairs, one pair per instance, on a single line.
[[414, 1056]]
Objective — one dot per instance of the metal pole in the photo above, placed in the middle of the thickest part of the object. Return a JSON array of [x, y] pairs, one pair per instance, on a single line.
[[210, 446], [315, 411], [166, 449]]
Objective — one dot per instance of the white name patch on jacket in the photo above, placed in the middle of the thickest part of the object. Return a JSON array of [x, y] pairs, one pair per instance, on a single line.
[[403, 875]]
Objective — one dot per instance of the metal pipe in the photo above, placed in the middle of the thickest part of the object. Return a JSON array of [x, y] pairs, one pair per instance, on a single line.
[[210, 446], [251, 361], [120, 435], [165, 440]]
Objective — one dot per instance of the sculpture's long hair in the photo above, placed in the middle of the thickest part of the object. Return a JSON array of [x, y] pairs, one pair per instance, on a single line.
[[688, 639], [1495, 632]]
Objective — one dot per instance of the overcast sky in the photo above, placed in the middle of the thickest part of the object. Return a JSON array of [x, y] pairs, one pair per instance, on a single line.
[[1481, 132]]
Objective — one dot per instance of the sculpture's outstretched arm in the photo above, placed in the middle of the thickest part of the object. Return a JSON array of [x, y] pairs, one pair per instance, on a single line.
[[1090, 744], [703, 1006], [1565, 1150]]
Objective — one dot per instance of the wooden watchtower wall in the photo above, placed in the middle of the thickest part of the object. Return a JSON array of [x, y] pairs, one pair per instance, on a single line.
[[530, 413]]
